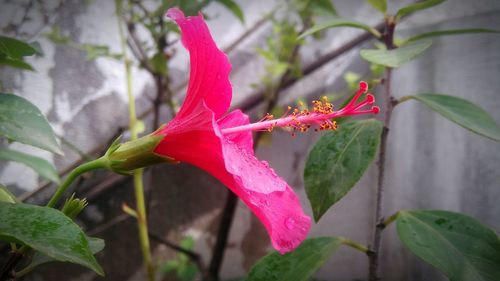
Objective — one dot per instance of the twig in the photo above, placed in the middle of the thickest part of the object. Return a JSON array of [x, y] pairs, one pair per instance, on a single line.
[[135, 45], [249, 31], [374, 254], [192, 255], [8, 270], [222, 237], [257, 97]]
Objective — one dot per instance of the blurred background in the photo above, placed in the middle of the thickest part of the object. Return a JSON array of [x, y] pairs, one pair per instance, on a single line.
[[79, 84]]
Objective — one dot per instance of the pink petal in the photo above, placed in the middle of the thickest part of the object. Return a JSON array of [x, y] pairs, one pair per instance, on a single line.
[[194, 137], [230, 161], [210, 67], [233, 119]]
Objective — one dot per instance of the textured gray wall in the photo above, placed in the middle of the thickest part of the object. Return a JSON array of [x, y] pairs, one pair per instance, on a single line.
[[432, 163]]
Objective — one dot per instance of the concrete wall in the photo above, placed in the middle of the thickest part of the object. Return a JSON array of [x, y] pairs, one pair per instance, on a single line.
[[432, 163]]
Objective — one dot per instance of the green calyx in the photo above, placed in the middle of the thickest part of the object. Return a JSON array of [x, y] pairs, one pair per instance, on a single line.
[[135, 154], [74, 206]]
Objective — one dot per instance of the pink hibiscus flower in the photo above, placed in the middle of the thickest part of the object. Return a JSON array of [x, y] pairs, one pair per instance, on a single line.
[[221, 144]]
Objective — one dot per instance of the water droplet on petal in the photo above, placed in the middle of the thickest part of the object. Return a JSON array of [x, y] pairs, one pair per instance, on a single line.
[[290, 223], [264, 203]]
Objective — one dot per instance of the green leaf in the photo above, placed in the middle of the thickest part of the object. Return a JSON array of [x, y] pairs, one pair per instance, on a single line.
[[55, 36], [234, 8], [338, 160], [169, 266], [461, 112], [38, 48], [380, 5], [396, 57], [339, 22], [48, 231], [95, 245], [321, 7], [14, 48], [22, 121], [449, 32], [298, 265], [417, 7], [459, 246], [313, 8], [15, 63], [7, 196], [39, 165], [159, 63]]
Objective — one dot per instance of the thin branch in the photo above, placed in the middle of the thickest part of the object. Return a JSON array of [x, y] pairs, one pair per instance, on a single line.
[[250, 31], [135, 45], [222, 237], [8, 270], [256, 98], [374, 253], [191, 254]]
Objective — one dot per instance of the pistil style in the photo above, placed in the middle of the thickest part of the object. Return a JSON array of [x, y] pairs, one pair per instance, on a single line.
[[321, 116]]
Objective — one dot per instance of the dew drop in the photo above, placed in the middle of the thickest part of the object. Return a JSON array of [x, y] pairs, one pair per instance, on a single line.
[[290, 223]]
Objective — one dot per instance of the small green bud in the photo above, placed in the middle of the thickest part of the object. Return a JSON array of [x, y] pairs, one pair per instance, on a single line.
[[74, 206]]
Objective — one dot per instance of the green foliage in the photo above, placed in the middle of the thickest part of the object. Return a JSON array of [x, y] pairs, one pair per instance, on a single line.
[[12, 52], [298, 265], [15, 63], [96, 51], [376, 69], [159, 63], [339, 22], [461, 112], [55, 36], [6, 196], [93, 51], [14, 48], [22, 121], [234, 8], [184, 268], [352, 79], [380, 5], [396, 57], [449, 32], [417, 7], [48, 231], [338, 160], [278, 53], [459, 246], [95, 245], [39, 165], [307, 9]]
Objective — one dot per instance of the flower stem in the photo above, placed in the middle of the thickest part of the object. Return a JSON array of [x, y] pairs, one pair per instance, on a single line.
[[92, 165], [142, 223], [389, 220], [355, 245], [138, 174]]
